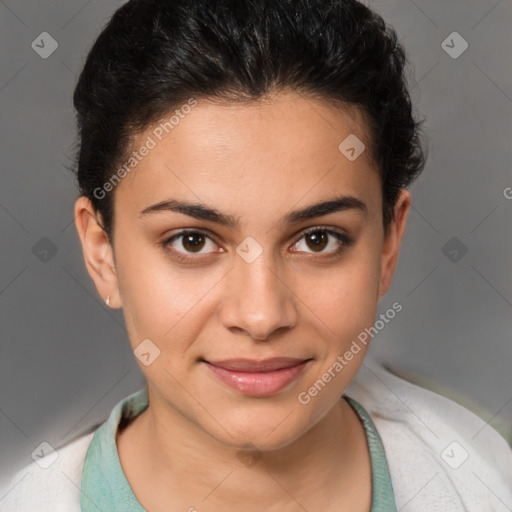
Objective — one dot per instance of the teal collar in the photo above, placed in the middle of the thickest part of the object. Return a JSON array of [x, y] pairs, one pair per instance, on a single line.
[[383, 497], [104, 485]]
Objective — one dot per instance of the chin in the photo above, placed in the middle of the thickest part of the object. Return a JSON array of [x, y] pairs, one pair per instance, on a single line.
[[267, 432]]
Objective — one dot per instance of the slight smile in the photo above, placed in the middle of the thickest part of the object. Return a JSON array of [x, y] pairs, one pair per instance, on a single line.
[[257, 378]]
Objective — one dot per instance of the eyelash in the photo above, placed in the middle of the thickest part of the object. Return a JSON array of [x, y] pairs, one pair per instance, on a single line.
[[346, 240]]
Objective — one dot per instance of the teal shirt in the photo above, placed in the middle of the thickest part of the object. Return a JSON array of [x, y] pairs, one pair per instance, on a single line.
[[104, 485]]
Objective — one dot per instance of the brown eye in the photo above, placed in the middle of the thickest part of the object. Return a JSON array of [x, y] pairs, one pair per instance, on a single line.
[[317, 240], [193, 242]]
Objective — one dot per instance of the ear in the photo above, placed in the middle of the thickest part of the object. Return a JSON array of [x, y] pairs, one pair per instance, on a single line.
[[97, 251], [392, 241]]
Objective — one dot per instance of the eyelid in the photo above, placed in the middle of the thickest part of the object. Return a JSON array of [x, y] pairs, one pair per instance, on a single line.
[[169, 239], [184, 257], [183, 232], [340, 234], [328, 229]]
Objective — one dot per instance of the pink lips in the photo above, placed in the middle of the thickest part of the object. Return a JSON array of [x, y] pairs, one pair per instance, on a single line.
[[258, 378]]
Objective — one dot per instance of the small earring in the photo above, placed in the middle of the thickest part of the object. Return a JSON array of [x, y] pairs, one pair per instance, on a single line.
[[108, 300]]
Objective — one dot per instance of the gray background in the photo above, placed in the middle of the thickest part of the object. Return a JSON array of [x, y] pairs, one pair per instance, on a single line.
[[65, 357]]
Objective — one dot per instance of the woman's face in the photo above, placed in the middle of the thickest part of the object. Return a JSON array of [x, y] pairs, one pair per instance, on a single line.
[[252, 284]]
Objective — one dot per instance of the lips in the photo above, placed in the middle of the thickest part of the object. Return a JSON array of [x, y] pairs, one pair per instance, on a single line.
[[254, 366], [257, 378]]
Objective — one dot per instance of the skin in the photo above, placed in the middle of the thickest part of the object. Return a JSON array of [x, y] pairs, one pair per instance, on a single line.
[[256, 162]]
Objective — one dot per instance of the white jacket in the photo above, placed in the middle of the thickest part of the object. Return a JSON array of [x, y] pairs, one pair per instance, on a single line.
[[441, 456]]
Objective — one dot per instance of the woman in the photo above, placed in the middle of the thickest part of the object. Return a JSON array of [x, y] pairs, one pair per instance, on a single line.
[[243, 172]]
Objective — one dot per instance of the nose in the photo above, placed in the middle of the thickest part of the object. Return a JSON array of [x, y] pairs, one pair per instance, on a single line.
[[258, 301]]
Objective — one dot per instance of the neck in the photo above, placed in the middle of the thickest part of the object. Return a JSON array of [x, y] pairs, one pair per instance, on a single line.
[[178, 462]]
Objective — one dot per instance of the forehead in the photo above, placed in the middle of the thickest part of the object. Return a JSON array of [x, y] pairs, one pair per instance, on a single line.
[[281, 145], [299, 121]]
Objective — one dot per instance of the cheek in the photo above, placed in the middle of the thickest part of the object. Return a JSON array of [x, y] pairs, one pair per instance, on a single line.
[[161, 301], [344, 299], [344, 305]]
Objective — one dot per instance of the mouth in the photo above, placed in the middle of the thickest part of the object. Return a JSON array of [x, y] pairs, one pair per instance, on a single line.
[[257, 378], [254, 366]]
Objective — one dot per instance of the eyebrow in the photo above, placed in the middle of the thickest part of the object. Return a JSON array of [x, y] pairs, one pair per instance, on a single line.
[[201, 212]]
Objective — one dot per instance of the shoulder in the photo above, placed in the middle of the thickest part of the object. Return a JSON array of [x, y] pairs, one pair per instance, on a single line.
[[52, 483], [439, 453]]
